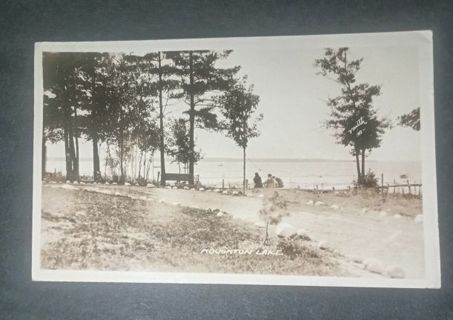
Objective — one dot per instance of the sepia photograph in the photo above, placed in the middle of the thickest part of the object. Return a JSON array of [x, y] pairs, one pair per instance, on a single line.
[[291, 160]]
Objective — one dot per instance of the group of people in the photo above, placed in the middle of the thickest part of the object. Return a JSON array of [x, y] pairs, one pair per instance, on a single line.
[[271, 182]]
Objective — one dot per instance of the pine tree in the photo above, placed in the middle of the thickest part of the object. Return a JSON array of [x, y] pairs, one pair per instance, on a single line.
[[352, 114], [201, 78]]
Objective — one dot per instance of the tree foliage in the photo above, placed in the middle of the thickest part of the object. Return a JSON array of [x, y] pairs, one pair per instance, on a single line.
[[238, 107], [201, 79], [353, 116], [119, 100], [411, 119]]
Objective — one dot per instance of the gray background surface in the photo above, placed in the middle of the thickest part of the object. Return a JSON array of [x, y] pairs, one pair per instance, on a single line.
[[24, 22]]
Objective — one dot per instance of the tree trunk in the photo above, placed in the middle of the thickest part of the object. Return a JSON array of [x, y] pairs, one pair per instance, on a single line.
[[122, 179], [140, 165], [191, 122], [244, 170], [76, 149], [357, 162], [94, 134], [67, 147], [96, 163], [76, 158], [72, 158], [363, 165], [161, 126], [43, 157]]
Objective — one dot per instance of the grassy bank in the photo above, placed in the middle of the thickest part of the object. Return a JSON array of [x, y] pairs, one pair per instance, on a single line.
[[362, 202], [89, 230]]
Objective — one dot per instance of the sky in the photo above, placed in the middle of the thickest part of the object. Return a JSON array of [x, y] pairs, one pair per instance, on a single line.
[[293, 102]]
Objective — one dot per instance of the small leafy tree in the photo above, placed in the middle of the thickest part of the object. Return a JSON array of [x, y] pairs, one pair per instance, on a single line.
[[180, 144], [352, 114], [238, 107], [273, 211], [411, 119]]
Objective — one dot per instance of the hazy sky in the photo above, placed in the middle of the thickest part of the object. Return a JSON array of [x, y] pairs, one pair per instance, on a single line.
[[292, 99]]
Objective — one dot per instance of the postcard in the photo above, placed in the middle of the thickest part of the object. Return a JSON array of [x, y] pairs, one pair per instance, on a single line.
[[289, 160]]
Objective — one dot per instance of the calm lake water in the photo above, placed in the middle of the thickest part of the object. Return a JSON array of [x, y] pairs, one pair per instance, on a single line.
[[294, 172]]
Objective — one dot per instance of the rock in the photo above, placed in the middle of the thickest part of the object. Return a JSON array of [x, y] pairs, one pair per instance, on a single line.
[[217, 190], [418, 218], [335, 207], [323, 245], [201, 189], [319, 203], [68, 182], [356, 259], [225, 192], [235, 193], [167, 187], [395, 272], [364, 210], [397, 216], [186, 188], [310, 202], [127, 184], [261, 196], [302, 235], [374, 265], [219, 214], [260, 224], [301, 231], [285, 230], [383, 213], [114, 183], [150, 185]]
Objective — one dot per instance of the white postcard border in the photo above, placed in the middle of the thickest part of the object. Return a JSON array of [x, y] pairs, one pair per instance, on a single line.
[[420, 39]]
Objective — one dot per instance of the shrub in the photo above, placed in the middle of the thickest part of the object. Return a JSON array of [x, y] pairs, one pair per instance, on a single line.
[[369, 181], [142, 182]]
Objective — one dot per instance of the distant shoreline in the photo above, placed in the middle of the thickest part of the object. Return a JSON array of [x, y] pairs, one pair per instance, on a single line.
[[213, 159]]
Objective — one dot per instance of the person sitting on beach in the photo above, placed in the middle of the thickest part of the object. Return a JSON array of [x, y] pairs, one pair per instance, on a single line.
[[270, 182], [257, 180], [279, 182]]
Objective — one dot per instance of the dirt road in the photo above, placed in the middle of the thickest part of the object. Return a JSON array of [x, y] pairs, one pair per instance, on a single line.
[[395, 241]]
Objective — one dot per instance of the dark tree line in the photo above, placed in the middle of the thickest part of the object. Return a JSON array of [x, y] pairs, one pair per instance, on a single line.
[[121, 100]]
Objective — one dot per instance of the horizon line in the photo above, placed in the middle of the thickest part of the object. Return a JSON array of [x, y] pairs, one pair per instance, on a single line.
[[233, 159]]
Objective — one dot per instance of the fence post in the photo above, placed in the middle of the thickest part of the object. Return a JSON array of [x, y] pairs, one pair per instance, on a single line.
[[409, 186], [382, 185]]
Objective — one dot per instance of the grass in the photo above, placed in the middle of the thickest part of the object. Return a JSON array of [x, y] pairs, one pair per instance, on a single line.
[[355, 202], [85, 230]]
